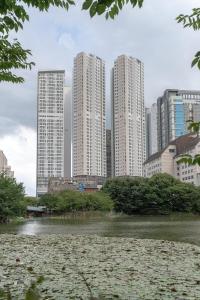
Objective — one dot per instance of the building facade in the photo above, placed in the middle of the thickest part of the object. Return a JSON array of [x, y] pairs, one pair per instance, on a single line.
[[154, 129], [4, 167], [174, 109], [151, 130], [50, 128], [166, 160], [148, 131], [67, 131], [108, 152], [89, 119], [128, 117]]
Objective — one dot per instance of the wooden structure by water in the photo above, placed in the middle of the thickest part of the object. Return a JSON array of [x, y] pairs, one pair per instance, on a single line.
[[36, 211]]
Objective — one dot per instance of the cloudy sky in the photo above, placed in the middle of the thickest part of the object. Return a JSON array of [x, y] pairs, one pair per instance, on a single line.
[[150, 34]]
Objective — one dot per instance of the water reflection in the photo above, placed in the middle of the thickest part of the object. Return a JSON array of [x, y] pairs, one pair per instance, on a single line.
[[30, 228], [175, 228]]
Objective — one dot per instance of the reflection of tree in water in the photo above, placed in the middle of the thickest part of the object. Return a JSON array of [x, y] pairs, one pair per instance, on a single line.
[[175, 228]]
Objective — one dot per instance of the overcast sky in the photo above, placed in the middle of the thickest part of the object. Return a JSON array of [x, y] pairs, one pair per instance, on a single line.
[[150, 34]]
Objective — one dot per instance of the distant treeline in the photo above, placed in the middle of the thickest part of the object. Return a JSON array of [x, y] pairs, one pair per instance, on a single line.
[[160, 194]]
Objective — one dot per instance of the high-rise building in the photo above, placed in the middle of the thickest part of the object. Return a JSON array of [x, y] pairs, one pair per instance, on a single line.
[[154, 129], [151, 130], [89, 120], [148, 131], [68, 131], [128, 117], [50, 128], [175, 107], [108, 152]]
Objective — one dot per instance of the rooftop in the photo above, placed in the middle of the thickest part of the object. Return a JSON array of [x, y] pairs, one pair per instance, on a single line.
[[183, 144]]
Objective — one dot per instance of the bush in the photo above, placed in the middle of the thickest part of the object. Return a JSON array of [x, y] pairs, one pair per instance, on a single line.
[[71, 201], [160, 194]]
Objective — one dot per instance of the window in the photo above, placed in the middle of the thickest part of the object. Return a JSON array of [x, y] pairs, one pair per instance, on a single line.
[[171, 150]]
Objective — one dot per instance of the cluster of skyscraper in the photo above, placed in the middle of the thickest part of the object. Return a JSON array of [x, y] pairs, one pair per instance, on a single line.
[[71, 123], [80, 124], [167, 119]]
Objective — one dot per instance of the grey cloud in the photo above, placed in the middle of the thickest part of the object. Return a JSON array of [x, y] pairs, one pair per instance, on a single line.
[[18, 106]]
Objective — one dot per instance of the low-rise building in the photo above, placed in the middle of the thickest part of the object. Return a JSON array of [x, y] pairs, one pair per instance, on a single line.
[[82, 183], [166, 161], [4, 167]]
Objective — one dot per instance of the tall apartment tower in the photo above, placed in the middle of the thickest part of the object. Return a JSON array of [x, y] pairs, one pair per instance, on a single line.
[[128, 117], [148, 131], [50, 128], [175, 107], [89, 120], [68, 131], [108, 153], [151, 130]]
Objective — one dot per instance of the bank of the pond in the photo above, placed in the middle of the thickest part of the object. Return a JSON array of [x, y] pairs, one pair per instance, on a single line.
[[77, 267]]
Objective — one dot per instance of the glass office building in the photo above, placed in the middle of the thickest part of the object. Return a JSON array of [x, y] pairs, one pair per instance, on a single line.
[[174, 109]]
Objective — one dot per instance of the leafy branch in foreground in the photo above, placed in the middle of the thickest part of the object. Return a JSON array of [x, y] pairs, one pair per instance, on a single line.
[[187, 158], [111, 8], [12, 56], [12, 17], [192, 21], [194, 127]]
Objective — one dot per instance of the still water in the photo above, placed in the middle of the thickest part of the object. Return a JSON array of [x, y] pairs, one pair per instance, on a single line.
[[174, 228]]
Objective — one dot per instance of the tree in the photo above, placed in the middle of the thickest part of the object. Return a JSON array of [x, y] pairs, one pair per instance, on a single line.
[[13, 15], [160, 194], [75, 201], [11, 198]]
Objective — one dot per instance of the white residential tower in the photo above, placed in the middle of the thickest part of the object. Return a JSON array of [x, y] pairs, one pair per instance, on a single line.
[[89, 120], [128, 117], [50, 128]]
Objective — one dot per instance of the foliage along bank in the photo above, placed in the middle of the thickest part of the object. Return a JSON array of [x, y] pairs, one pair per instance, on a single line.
[[160, 194], [72, 201], [12, 198]]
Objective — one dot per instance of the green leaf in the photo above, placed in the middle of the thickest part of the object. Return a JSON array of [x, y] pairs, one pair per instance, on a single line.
[[71, 2], [101, 8], [86, 5], [120, 4], [93, 9], [195, 61]]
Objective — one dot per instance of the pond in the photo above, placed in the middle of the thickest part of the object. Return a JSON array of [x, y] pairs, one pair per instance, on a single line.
[[175, 228]]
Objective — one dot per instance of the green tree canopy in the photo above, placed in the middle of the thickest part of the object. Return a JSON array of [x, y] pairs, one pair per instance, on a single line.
[[13, 15], [11, 198], [73, 201], [160, 194]]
